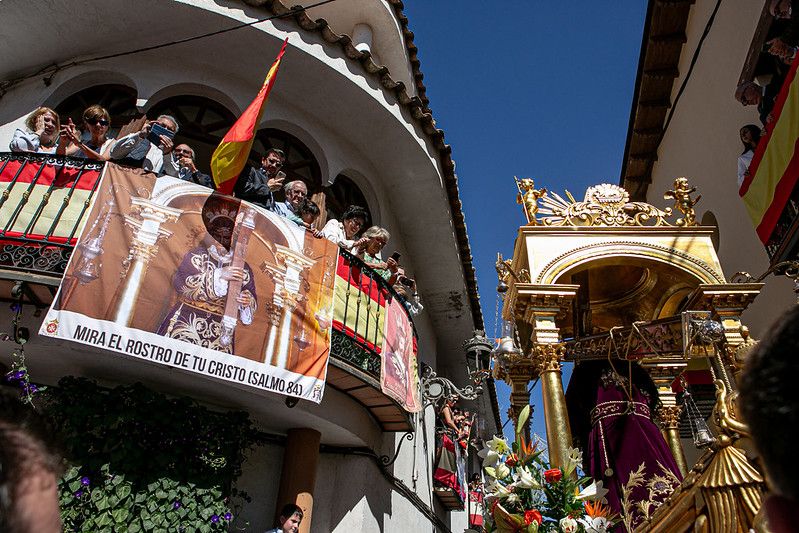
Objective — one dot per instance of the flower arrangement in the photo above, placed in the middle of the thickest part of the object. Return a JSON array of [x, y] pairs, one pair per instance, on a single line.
[[527, 495]]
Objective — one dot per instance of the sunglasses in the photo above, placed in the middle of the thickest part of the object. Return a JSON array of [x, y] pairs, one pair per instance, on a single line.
[[96, 121]]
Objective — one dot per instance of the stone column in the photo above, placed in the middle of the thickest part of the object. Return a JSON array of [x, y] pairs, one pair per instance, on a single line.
[[145, 220], [298, 478], [559, 436]]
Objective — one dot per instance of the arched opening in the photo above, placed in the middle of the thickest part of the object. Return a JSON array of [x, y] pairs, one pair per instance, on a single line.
[[709, 219], [119, 100], [300, 162], [342, 194], [203, 122]]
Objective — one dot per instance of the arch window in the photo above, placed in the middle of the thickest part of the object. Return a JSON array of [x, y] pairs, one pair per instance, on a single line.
[[342, 194], [119, 100], [300, 162], [203, 122]]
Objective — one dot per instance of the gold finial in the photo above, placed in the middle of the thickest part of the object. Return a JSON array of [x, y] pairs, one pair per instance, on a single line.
[[528, 197], [683, 201]]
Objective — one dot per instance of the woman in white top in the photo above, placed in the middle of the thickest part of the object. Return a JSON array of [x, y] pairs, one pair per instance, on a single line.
[[96, 122], [41, 134], [750, 136], [343, 233]]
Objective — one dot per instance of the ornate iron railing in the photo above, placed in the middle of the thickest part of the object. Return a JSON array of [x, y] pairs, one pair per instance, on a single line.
[[43, 205], [361, 298]]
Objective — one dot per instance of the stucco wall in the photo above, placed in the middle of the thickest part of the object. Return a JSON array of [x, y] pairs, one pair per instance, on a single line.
[[703, 144]]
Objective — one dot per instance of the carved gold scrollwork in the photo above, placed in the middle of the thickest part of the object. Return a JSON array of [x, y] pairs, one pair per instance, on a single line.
[[668, 416], [548, 356]]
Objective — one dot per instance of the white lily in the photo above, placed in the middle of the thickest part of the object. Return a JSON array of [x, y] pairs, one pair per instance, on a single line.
[[593, 492], [525, 479], [502, 471], [568, 525], [497, 444], [490, 457], [513, 498], [574, 460], [599, 524]]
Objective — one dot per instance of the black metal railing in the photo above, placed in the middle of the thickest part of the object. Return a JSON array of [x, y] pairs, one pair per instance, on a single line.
[[783, 244], [43, 206], [362, 295]]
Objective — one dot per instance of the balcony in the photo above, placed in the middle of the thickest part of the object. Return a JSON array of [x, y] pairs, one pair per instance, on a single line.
[[43, 207]]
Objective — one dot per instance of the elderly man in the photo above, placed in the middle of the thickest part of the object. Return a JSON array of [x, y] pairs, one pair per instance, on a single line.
[[257, 185], [750, 93], [296, 192], [181, 165], [137, 150]]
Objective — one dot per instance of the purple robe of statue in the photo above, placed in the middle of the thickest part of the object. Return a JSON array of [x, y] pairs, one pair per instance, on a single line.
[[627, 451], [197, 315]]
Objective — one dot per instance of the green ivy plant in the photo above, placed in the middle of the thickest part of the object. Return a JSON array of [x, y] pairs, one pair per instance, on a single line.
[[141, 461]]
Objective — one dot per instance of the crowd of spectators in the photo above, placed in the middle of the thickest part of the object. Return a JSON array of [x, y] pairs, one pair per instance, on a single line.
[[782, 50], [151, 147]]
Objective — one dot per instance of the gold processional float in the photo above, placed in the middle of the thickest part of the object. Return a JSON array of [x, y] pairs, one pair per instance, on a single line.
[[610, 279]]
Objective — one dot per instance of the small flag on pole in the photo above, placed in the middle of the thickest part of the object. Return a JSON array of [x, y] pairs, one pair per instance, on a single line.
[[231, 155]]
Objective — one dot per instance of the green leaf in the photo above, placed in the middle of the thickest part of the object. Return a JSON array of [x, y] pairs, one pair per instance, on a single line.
[[120, 515], [123, 491], [522, 422]]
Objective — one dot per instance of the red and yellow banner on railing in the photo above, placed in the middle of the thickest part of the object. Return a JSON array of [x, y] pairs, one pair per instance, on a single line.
[[774, 169], [365, 310]]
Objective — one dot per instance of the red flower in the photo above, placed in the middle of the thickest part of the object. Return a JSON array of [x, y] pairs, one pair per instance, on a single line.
[[511, 460], [533, 516], [553, 476]]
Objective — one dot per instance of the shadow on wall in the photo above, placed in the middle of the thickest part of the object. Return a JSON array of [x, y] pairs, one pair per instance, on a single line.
[[261, 480], [350, 495]]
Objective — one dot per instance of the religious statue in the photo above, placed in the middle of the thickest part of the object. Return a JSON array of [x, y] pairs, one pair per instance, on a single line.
[[528, 197], [683, 201], [205, 278]]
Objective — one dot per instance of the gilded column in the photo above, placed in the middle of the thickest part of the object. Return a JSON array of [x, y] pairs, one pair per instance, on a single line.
[[548, 358], [668, 418]]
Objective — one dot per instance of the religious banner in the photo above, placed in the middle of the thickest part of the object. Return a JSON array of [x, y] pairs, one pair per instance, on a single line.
[[366, 310], [399, 375], [173, 273]]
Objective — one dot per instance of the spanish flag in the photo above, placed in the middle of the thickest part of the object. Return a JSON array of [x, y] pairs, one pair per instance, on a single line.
[[774, 169], [231, 155]]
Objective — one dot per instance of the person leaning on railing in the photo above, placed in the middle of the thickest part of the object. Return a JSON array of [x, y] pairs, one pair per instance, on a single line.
[[43, 128], [344, 232], [750, 137], [96, 122], [375, 239]]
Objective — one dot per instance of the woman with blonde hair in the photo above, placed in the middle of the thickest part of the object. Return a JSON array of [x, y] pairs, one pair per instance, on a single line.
[[41, 135]]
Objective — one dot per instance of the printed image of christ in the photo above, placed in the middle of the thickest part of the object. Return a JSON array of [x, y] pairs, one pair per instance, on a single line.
[[202, 283]]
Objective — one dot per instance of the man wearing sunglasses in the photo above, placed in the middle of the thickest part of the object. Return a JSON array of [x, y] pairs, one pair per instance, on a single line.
[[140, 151], [181, 165]]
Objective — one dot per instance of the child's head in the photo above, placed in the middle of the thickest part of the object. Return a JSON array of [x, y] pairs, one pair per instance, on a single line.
[[309, 211]]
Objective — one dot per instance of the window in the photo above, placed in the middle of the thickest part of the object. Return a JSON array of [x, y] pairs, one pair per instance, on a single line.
[[119, 100], [342, 194], [300, 162]]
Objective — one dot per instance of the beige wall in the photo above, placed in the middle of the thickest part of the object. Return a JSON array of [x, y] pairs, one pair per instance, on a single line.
[[702, 143]]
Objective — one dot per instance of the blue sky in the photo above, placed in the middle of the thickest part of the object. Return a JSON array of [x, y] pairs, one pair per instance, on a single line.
[[529, 88]]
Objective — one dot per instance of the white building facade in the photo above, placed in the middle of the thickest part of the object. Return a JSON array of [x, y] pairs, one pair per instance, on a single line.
[[349, 109]]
